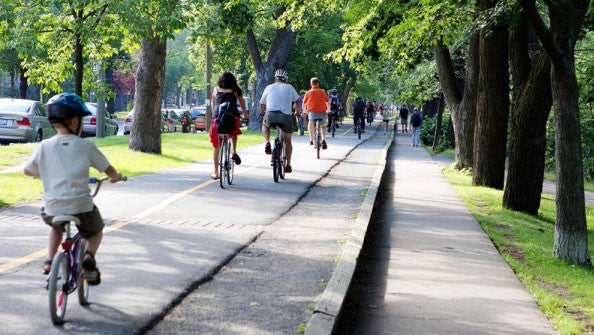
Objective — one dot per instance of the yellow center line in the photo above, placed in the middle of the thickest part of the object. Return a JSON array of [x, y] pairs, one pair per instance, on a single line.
[[348, 131], [119, 225]]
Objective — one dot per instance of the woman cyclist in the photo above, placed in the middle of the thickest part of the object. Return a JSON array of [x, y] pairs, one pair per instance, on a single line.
[[227, 90]]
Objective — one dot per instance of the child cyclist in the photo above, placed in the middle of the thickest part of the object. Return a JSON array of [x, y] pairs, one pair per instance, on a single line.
[[62, 162]]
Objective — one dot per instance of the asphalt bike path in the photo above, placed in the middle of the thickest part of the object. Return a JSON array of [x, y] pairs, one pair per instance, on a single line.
[[271, 286], [166, 231], [427, 267]]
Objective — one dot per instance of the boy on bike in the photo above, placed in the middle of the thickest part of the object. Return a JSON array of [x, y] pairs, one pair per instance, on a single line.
[[62, 162]]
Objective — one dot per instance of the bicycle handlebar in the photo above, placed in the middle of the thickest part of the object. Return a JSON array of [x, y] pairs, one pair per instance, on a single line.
[[94, 180]]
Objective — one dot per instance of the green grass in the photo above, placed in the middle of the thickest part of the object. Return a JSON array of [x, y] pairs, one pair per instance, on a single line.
[[300, 329], [177, 149], [564, 292], [450, 153], [550, 175], [12, 155], [121, 115]]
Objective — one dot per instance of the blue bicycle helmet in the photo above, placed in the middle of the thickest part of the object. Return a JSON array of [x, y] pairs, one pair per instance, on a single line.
[[64, 106]]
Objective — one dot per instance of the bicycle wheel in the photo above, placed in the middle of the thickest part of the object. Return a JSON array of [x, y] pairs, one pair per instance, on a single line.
[[222, 170], [282, 160], [333, 127], [359, 129], [83, 286], [58, 287], [275, 162], [318, 138], [230, 164]]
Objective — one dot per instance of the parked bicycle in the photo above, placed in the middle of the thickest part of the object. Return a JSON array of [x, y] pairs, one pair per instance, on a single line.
[[279, 156], [67, 275], [226, 164]]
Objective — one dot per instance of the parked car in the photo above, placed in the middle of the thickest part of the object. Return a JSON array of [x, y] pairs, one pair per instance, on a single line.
[[199, 117], [172, 121], [23, 121], [130, 119], [248, 105], [185, 118], [90, 122], [128, 122]]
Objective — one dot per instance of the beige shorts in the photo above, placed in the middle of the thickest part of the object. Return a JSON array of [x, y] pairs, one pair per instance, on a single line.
[[91, 222]]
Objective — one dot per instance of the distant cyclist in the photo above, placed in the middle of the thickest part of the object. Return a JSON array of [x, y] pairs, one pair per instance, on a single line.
[[370, 111], [359, 112], [335, 104], [317, 108], [276, 105]]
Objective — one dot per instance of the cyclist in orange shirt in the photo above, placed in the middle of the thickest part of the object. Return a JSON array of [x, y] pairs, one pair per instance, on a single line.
[[317, 107]]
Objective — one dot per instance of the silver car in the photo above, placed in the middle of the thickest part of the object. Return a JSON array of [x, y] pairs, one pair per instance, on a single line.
[[90, 122], [23, 121]]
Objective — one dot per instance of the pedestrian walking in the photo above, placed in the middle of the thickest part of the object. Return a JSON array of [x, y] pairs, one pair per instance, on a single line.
[[416, 121], [404, 118]]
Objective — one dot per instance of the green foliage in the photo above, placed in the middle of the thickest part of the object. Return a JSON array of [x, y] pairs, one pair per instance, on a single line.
[[428, 132]]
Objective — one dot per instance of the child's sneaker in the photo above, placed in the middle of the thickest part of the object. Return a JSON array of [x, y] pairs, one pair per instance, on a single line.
[[91, 273]]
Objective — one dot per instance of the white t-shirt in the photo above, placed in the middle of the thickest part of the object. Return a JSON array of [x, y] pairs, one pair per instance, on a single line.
[[63, 163], [279, 97]]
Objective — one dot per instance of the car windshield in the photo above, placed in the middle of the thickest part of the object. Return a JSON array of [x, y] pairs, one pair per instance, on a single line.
[[197, 112], [14, 107], [92, 109]]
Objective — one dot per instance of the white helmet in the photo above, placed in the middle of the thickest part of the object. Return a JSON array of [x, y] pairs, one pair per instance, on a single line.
[[280, 73]]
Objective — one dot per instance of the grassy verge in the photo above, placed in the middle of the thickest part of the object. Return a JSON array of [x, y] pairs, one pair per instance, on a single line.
[[564, 292], [550, 175], [121, 115], [450, 153], [177, 149]]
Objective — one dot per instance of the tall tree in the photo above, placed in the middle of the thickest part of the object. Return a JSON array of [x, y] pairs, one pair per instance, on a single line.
[[461, 102], [566, 17], [490, 136], [530, 111], [153, 23], [277, 57]]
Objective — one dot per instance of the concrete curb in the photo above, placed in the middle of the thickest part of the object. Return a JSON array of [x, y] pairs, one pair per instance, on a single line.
[[327, 311]]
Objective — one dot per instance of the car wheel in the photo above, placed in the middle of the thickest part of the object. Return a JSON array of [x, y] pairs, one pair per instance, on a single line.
[[4, 143], [39, 136]]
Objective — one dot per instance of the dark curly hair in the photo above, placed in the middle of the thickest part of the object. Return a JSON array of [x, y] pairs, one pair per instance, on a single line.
[[227, 81]]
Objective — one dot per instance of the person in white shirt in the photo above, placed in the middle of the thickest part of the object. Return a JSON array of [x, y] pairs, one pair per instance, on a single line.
[[62, 162], [276, 105]]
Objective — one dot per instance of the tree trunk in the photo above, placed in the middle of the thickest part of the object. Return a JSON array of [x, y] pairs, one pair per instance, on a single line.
[[490, 137], [12, 81], [529, 116], [571, 234], [178, 97], [145, 134], [567, 17], [109, 80], [189, 96], [437, 133], [24, 85], [462, 105], [450, 135], [79, 65], [277, 58], [347, 91]]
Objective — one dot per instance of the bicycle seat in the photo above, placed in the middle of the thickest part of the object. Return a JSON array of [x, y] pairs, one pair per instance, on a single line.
[[65, 218]]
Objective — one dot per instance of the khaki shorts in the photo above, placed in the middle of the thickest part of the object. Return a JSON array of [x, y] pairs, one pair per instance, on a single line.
[[286, 122], [91, 222]]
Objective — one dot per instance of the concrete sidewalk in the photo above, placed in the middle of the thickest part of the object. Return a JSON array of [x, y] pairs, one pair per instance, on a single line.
[[427, 267]]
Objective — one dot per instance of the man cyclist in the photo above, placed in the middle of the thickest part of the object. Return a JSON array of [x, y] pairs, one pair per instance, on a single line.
[[359, 112], [370, 111], [276, 105], [317, 106], [334, 107]]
